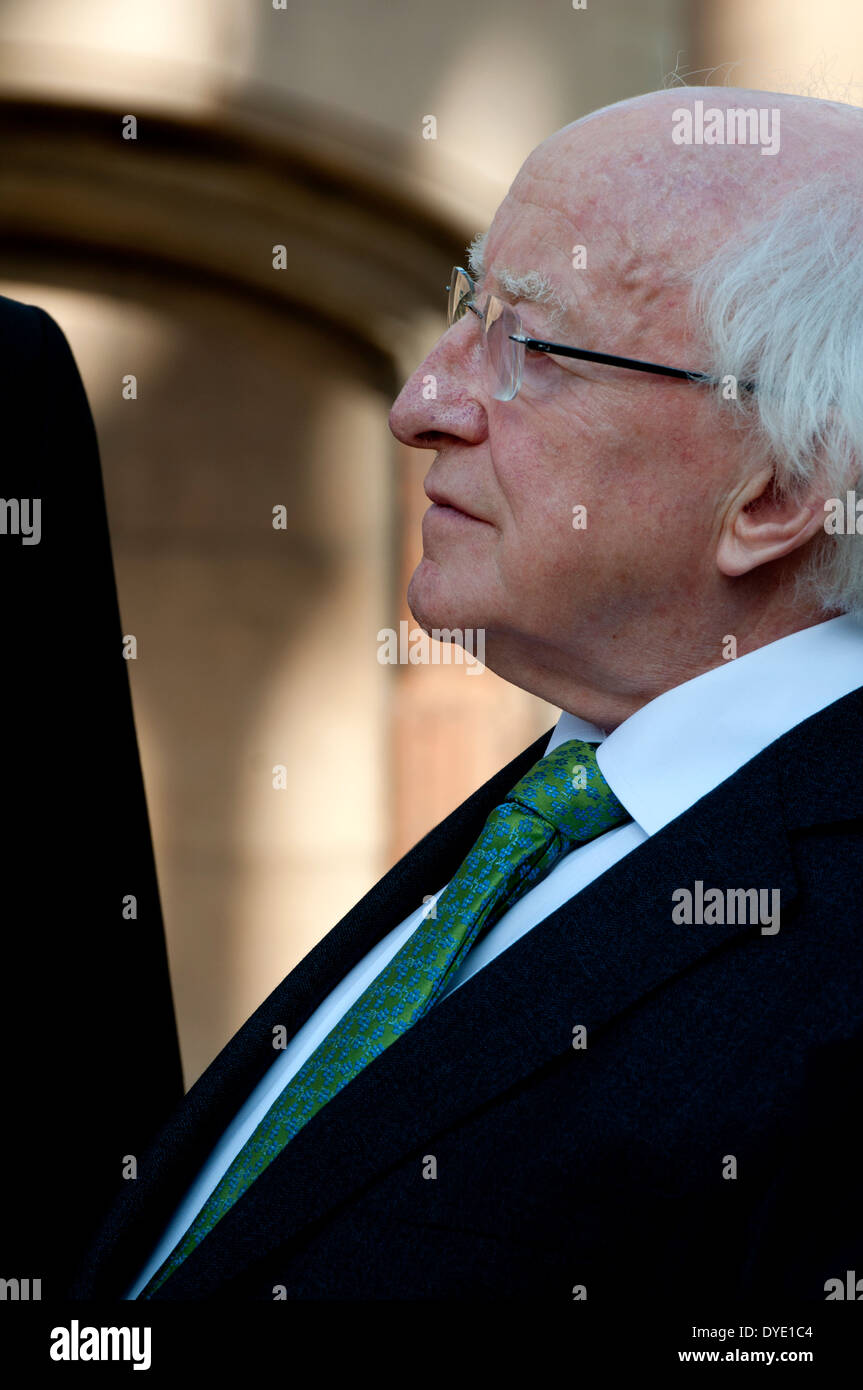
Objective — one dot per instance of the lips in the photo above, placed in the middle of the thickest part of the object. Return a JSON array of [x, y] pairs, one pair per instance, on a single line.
[[441, 500]]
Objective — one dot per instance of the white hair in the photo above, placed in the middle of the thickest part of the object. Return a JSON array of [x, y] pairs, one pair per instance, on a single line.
[[782, 303]]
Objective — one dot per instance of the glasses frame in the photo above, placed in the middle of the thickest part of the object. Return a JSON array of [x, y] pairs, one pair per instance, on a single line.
[[564, 349]]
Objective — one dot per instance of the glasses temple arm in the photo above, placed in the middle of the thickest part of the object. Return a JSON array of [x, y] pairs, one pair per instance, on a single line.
[[608, 359]]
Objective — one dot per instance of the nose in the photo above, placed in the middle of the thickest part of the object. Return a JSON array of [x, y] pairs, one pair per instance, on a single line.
[[445, 396]]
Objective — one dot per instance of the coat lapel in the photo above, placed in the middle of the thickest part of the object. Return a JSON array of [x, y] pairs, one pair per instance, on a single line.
[[592, 958], [168, 1168]]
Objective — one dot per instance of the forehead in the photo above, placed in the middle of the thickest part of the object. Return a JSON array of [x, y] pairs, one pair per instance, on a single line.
[[581, 211], [557, 204], [528, 235]]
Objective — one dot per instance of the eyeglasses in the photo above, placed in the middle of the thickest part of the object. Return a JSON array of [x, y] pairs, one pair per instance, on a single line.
[[506, 342]]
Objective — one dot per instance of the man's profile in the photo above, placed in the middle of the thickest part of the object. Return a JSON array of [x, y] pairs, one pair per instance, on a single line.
[[602, 1054]]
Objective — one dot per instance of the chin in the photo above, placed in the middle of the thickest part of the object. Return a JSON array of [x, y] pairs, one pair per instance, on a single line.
[[430, 604], [421, 602]]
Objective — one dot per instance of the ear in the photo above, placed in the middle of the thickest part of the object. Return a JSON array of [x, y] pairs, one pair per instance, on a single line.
[[761, 525]]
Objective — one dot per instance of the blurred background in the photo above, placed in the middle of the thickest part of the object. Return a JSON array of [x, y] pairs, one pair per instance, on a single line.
[[300, 124]]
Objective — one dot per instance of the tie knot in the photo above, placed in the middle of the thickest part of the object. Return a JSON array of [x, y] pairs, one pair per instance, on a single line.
[[567, 789]]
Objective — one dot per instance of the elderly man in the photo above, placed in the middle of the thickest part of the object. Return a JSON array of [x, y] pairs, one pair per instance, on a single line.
[[615, 1059]]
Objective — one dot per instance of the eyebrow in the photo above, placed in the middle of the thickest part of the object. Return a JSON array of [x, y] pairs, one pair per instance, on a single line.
[[530, 286]]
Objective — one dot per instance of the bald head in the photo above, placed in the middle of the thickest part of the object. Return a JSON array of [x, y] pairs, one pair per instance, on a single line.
[[648, 208], [689, 195]]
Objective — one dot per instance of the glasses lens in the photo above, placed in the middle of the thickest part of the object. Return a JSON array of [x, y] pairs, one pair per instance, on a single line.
[[504, 356], [460, 290]]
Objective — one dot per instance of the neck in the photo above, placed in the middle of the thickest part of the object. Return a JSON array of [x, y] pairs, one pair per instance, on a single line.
[[606, 683]]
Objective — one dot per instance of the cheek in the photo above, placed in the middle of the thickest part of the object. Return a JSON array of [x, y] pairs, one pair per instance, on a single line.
[[541, 457], [599, 499], [552, 469]]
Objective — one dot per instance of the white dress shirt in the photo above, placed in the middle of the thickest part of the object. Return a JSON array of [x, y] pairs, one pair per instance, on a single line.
[[658, 762]]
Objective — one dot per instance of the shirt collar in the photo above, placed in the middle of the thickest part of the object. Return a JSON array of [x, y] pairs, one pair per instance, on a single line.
[[683, 743]]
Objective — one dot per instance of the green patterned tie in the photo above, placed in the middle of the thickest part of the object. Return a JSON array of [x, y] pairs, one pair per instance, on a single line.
[[563, 801]]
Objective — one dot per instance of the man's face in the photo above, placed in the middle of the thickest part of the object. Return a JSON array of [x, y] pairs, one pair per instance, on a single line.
[[638, 452]]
